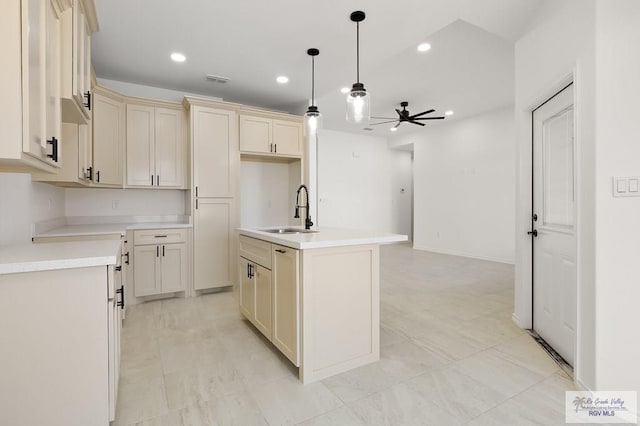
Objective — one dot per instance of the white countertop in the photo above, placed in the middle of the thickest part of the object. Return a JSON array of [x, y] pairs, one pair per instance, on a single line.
[[326, 237], [107, 228], [49, 256]]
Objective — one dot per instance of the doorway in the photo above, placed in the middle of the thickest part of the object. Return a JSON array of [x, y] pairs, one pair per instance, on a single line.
[[553, 223]]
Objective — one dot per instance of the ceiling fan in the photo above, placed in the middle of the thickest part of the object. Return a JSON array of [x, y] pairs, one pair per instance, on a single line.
[[405, 115]]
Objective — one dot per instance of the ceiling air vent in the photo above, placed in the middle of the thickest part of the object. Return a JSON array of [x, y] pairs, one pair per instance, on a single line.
[[217, 78], [369, 129]]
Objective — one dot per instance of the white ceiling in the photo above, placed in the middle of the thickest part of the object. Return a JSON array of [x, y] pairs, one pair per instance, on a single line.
[[469, 68]]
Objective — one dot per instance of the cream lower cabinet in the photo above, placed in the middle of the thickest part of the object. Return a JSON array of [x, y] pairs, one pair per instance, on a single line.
[[160, 262], [213, 240], [270, 294]]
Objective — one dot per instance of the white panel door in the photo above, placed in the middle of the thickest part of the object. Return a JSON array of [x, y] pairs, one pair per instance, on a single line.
[[554, 253]]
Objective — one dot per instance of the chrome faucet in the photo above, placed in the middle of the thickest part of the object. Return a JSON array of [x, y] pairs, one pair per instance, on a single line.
[[307, 221]]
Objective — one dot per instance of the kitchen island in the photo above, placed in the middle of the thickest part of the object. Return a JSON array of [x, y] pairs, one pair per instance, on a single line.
[[314, 295]]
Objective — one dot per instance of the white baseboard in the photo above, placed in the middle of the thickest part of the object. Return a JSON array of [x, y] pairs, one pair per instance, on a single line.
[[462, 254], [517, 321]]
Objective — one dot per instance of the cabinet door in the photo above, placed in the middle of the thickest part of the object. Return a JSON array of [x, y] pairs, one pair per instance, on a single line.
[[286, 301], [215, 152], [146, 270], [84, 150], [263, 300], [108, 136], [33, 84], [174, 267], [140, 145], [287, 137], [170, 147], [247, 289], [52, 107], [255, 134], [213, 232]]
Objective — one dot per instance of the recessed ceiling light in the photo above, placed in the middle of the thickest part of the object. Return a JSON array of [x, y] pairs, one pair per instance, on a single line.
[[344, 90], [178, 57], [393, 129], [423, 47], [448, 112], [282, 79]]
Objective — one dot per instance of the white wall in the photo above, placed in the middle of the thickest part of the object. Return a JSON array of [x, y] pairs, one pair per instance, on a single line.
[[618, 219], [23, 203], [128, 202], [266, 197], [560, 42], [356, 181], [464, 192]]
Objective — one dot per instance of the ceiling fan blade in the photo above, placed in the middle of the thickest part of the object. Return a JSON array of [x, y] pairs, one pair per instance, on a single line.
[[399, 112], [422, 113], [384, 118], [416, 122], [429, 118], [396, 126], [384, 122]]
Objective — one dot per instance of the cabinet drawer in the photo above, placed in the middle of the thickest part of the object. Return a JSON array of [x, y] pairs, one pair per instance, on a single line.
[[159, 236], [257, 251]]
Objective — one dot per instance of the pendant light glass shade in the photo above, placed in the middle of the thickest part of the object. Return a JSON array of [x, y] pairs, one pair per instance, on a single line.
[[359, 100], [312, 118]]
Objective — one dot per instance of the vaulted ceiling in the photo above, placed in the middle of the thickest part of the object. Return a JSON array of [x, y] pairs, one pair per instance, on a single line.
[[469, 68]]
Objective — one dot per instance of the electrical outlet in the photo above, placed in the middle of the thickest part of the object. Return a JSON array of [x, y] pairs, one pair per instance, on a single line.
[[626, 186]]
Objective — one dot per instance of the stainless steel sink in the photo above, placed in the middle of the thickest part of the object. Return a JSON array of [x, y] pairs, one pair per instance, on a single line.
[[289, 231]]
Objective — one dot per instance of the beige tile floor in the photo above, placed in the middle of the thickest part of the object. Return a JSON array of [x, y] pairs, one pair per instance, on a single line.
[[449, 355]]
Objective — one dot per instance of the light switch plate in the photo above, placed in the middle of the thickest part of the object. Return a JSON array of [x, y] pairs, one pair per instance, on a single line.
[[626, 186]]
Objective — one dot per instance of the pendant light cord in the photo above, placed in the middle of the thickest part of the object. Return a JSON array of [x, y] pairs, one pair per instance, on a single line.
[[313, 80], [358, 51]]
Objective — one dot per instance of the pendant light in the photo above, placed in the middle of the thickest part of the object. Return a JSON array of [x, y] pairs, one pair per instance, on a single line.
[[312, 118], [358, 100]]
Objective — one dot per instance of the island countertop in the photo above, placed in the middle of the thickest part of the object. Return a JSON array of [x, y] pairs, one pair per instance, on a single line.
[[44, 257], [324, 238]]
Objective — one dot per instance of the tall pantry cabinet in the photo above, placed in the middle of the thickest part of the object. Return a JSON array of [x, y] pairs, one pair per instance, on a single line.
[[214, 176]]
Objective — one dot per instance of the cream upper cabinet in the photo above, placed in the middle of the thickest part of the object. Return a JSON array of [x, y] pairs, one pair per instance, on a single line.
[[286, 301], [30, 85], [108, 139], [215, 152], [213, 239], [274, 137], [78, 23], [155, 146], [255, 134], [287, 137]]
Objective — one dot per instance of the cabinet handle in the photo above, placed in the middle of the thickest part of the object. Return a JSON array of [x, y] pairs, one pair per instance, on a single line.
[[157, 251], [120, 291], [248, 270], [196, 204], [270, 147], [87, 104], [118, 268], [251, 270], [54, 149], [98, 176], [162, 251], [281, 251], [159, 236], [89, 174], [275, 147], [158, 180], [151, 180], [127, 256], [196, 191]]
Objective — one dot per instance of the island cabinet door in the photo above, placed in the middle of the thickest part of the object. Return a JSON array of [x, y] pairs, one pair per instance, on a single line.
[[263, 300], [286, 301], [247, 289]]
